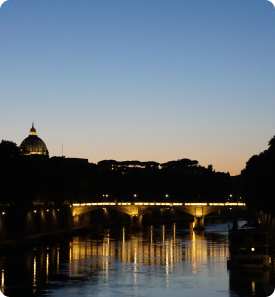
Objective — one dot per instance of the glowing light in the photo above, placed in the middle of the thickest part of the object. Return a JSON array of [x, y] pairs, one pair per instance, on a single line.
[[253, 288], [3, 281], [34, 271], [3, 213], [253, 249], [47, 268], [57, 259], [34, 211], [47, 210]]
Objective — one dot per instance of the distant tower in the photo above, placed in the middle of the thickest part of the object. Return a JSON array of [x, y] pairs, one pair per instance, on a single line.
[[33, 144]]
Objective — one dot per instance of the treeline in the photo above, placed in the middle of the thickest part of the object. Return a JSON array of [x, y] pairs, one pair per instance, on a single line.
[[36, 179], [258, 180]]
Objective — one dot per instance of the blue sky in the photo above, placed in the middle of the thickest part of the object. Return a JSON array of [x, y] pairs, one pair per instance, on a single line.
[[140, 80]]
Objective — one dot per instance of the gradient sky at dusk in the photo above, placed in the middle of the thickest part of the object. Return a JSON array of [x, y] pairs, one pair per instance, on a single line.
[[148, 80]]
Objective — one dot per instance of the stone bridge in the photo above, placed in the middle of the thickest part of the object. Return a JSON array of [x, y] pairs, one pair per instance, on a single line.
[[137, 209]]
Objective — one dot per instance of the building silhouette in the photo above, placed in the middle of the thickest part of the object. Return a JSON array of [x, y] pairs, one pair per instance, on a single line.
[[34, 145]]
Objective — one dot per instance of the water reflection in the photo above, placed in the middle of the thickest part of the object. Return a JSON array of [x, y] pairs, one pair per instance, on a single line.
[[250, 284], [3, 281], [34, 274], [160, 247], [135, 249], [165, 260]]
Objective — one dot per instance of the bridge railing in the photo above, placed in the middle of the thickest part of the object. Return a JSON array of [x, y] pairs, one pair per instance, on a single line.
[[157, 204]]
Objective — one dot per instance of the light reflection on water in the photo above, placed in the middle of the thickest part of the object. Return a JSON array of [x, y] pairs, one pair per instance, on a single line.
[[167, 260]]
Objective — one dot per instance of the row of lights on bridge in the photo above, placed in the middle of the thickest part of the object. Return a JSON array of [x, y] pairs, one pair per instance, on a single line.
[[135, 195], [166, 195], [35, 211]]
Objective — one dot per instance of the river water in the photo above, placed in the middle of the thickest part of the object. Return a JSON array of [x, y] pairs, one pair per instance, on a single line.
[[162, 260]]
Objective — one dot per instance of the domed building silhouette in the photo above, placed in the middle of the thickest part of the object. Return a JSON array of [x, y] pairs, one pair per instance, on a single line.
[[33, 144]]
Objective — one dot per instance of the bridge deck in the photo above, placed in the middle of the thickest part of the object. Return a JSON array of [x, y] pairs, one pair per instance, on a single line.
[[157, 204]]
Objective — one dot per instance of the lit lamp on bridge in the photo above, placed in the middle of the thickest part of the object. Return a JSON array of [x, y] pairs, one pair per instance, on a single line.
[[105, 196]]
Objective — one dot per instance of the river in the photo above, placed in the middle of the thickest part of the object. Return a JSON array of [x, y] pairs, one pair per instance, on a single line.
[[162, 260]]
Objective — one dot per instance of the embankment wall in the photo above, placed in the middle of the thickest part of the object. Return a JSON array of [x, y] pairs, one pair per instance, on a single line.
[[20, 221]]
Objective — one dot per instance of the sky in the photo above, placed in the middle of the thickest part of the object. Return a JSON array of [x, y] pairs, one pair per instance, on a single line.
[[148, 80]]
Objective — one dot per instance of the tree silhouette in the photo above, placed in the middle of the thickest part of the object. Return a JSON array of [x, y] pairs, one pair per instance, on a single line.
[[8, 149], [259, 180], [271, 142]]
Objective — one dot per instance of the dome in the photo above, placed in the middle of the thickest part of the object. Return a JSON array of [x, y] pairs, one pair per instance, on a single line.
[[34, 144]]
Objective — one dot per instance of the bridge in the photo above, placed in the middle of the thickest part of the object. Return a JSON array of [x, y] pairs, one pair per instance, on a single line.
[[137, 209]]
